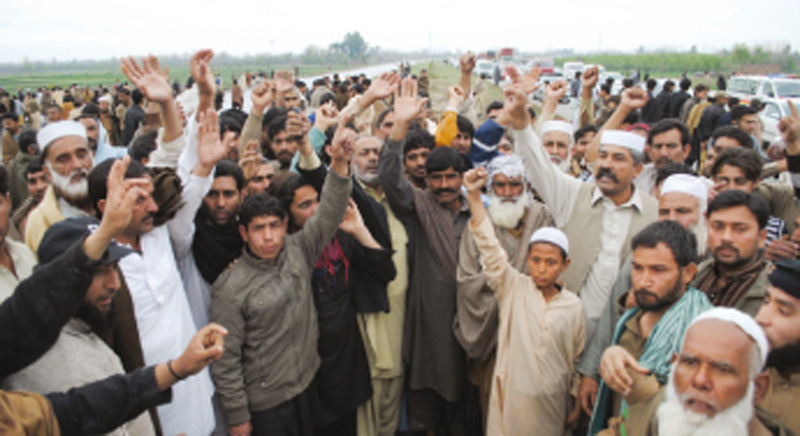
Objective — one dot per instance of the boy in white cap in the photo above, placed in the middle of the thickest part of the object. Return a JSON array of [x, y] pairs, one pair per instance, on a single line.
[[541, 328]]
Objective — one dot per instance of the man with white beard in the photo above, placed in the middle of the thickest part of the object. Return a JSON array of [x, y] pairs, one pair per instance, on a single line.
[[683, 199], [716, 381], [67, 159], [515, 215], [557, 141]]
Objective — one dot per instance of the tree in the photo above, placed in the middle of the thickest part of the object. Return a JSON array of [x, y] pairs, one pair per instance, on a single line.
[[353, 46]]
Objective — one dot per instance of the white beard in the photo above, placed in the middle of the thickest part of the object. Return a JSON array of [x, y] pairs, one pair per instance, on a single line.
[[563, 165], [70, 191], [676, 420], [701, 234], [369, 179], [507, 214]]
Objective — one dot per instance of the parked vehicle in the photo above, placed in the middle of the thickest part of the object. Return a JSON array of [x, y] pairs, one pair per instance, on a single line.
[[763, 87], [774, 110]]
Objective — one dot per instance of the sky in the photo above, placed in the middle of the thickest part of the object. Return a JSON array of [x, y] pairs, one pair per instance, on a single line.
[[91, 29]]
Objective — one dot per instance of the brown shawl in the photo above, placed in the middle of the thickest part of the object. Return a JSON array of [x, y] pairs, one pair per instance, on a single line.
[[26, 414], [735, 286], [437, 222]]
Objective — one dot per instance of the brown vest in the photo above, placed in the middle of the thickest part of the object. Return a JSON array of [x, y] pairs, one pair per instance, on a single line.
[[584, 228]]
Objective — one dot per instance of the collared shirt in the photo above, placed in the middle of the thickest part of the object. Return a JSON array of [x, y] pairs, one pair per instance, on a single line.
[[560, 191], [646, 180]]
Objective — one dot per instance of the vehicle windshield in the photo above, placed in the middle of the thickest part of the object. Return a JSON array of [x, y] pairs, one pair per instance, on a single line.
[[788, 88]]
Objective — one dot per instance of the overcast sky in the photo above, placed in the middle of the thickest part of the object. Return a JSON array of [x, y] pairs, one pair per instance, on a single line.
[[92, 29]]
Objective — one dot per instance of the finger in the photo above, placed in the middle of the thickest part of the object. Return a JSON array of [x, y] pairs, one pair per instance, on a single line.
[[634, 365], [793, 111]]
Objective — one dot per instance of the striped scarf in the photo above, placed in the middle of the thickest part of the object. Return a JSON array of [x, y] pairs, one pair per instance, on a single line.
[[737, 284], [664, 340]]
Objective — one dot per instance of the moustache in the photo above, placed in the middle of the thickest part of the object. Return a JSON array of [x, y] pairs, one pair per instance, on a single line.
[[439, 191], [607, 172], [726, 245], [149, 216], [663, 160]]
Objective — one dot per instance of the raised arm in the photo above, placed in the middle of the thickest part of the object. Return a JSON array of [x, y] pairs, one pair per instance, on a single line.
[[588, 82], [154, 84], [466, 64], [632, 98], [203, 79], [399, 192], [261, 98]]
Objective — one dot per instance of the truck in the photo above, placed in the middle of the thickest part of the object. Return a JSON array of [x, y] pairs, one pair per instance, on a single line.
[[506, 54]]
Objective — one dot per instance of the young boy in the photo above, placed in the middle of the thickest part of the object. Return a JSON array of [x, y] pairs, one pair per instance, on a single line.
[[541, 330]]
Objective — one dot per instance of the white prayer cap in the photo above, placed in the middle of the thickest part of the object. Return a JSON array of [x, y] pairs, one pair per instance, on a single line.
[[742, 320], [551, 235], [686, 183], [558, 126], [628, 140], [58, 130], [509, 165], [106, 98]]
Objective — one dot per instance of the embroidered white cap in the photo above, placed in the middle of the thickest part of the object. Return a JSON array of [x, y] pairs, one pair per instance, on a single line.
[[551, 235], [58, 130], [556, 125], [742, 320], [628, 140], [686, 183]]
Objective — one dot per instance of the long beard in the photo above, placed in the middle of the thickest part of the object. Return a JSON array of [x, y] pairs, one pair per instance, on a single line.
[[72, 192], [676, 420], [784, 357], [700, 232], [99, 322], [369, 179], [507, 214]]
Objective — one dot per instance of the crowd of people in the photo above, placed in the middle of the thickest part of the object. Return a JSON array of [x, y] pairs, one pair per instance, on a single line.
[[346, 264]]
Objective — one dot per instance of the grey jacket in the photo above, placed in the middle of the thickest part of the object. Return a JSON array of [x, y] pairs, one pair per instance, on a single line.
[[271, 348]]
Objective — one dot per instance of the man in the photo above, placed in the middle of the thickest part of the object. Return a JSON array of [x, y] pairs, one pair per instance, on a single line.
[[434, 219], [649, 114], [736, 273], [159, 296], [667, 141], [780, 319], [740, 169], [601, 217], [664, 256], [282, 146], [424, 83], [271, 397], [678, 99], [215, 238], [384, 124], [746, 118], [661, 103], [581, 139], [37, 183], [237, 95], [54, 114], [382, 331], [80, 356], [29, 151], [11, 132], [107, 119], [67, 159], [261, 180], [134, 116], [684, 200], [557, 140], [710, 117], [416, 149], [726, 137], [16, 259], [716, 381], [515, 215], [700, 94]]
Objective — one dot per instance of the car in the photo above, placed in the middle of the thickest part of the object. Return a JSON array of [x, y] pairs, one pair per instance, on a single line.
[[485, 69], [763, 87], [774, 110]]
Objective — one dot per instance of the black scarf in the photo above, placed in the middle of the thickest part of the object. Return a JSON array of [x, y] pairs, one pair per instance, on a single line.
[[214, 247]]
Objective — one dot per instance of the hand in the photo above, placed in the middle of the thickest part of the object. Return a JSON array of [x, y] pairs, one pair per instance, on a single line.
[[782, 249], [149, 78], [210, 148], [789, 128], [587, 393], [382, 87], [590, 77], [407, 104], [467, 62], [326, 115], [284, 81], [250, 159], [241, 430], [455, 96], [352, 222], [206, 346], [556, 90], [475, 179], [122, 195], [262, 96], [634, 98], [342, 146], [716, 189], [297, 124], [514, 108], [573, 417], [201, 71], [614, 369]]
